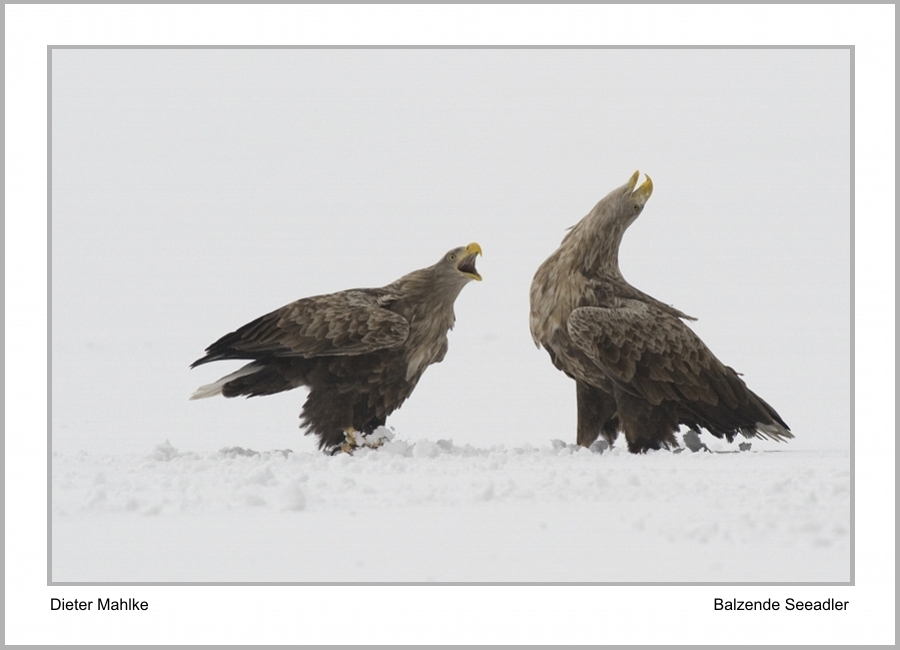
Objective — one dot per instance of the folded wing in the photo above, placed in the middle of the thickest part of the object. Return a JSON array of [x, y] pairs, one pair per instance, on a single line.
[[345, 323], [653, 355]]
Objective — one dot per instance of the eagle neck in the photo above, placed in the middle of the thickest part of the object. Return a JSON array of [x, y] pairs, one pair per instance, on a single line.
[[430, 298], [596, 245]]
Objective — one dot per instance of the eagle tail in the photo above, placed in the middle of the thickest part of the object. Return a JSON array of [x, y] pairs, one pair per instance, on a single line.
[[771, 426], [753, 418], [215, 388], [771, 430]]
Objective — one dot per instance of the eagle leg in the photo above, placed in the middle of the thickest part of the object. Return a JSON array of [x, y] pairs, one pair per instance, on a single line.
[[596, 415], [354, 439], [646, 426], [351, 441]]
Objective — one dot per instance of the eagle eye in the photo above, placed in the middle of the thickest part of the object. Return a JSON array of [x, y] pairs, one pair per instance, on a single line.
[[637, 207], [452, 257]]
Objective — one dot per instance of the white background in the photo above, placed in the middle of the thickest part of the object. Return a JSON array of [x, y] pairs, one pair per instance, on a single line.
[[558, 204], [194, 190]]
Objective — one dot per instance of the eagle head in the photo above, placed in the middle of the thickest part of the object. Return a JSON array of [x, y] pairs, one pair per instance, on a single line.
[[617, 210], [628, 201], [462, 261]]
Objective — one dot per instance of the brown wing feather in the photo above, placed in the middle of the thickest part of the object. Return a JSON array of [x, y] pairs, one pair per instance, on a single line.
[[651, 354], [344, 323]]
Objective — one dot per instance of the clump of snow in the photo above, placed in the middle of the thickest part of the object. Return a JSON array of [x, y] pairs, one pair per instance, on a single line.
[[378, 437], [692, 441], [599, 446], [165, 451], [428, 449], [231, 452]]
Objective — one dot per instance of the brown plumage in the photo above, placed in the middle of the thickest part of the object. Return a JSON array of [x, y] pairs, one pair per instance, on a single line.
[[637, 367], [360, 352]]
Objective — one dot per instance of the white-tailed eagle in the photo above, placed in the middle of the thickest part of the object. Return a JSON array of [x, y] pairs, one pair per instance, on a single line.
[[360, 352], [637, 367]]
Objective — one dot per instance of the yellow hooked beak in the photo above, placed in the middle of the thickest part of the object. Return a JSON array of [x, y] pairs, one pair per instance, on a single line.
[[466, 265], [644, 191]]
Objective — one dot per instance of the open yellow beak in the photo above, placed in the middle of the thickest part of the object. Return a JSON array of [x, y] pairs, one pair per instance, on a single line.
[[466, 265], [644, 191]]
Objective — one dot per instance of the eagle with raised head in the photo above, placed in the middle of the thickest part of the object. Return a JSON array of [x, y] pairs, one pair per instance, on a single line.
[[360, 352], [637, 367]]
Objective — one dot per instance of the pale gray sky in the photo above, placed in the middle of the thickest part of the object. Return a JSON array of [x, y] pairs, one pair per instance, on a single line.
[[194, 190]]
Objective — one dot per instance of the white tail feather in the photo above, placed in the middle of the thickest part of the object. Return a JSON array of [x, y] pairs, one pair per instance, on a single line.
[[215, 388], [774, 431]]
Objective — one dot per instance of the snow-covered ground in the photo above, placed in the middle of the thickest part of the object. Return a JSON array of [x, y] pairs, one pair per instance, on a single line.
[[432, 511]]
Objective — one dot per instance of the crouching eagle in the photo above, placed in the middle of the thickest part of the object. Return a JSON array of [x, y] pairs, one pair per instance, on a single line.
[[637, 367], [360, 352]]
